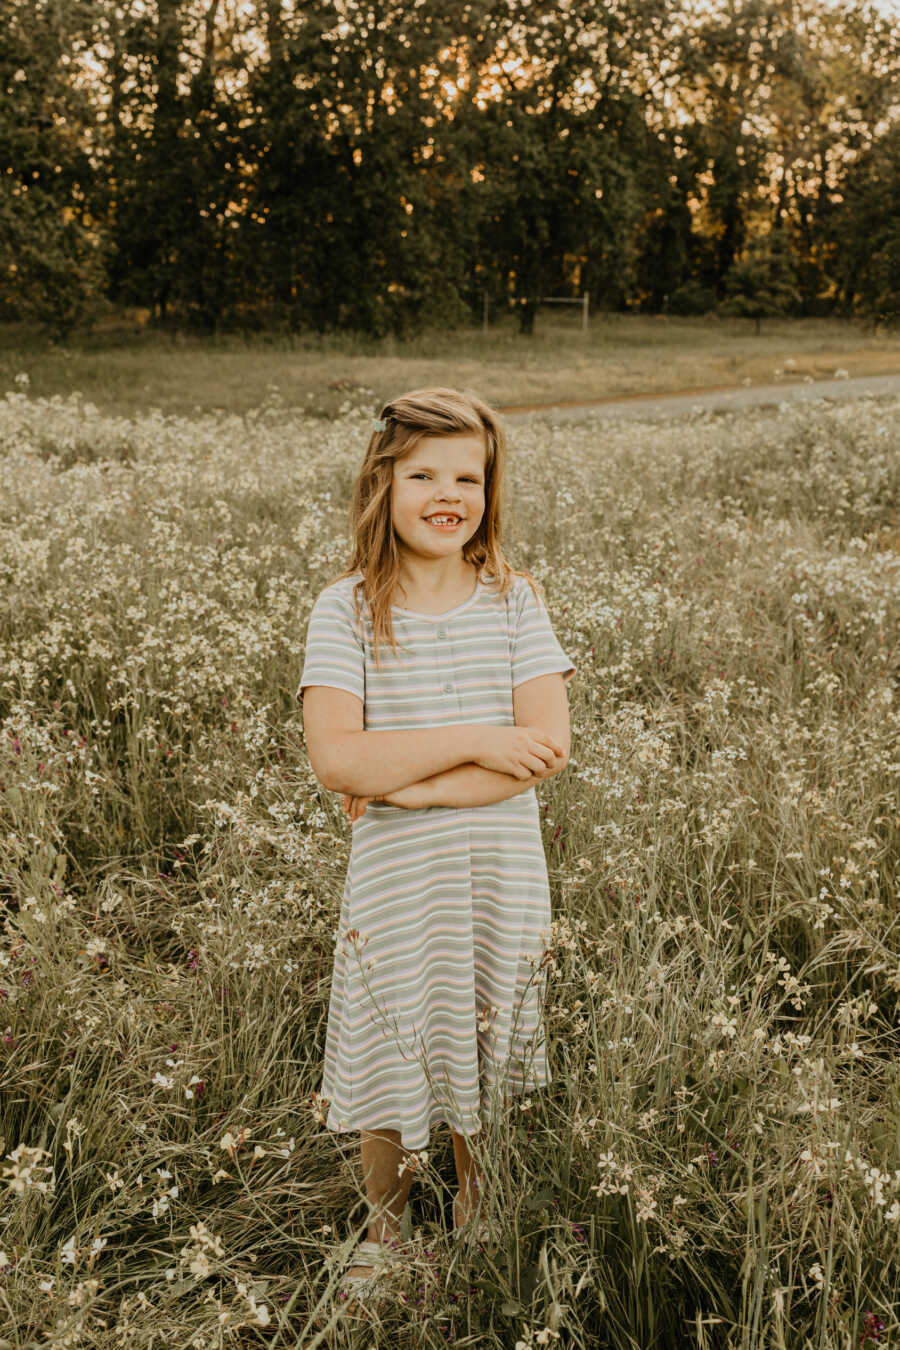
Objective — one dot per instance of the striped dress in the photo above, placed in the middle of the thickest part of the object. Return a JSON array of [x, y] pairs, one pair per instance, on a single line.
[[436, 994]]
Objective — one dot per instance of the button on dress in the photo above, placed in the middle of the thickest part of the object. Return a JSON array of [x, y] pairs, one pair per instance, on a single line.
[[437, 988]]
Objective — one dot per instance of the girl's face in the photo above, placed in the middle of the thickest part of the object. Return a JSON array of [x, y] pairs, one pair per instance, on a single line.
[[442, 476]]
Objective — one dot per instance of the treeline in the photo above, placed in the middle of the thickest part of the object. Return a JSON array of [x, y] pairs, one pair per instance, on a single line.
[[381, 167]]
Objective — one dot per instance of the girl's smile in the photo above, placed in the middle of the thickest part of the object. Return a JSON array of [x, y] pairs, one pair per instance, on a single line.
[[447, 524], [438, 489]]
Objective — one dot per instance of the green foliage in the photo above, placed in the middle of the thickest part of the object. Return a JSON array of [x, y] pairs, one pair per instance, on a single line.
[[691, 297], [60, 276], [882, 296], [52, 265], [329, 166], [762, 284], [866, 233]]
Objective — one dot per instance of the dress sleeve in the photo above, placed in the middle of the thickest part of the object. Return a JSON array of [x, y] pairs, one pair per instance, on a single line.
[[535, 649], [335, 653]]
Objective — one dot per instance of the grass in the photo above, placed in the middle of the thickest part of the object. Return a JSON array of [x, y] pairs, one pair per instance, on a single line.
[[124, 371], [715, 1163]]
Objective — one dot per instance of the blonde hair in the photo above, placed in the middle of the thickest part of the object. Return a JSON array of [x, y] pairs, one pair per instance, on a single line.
[[408, 420]]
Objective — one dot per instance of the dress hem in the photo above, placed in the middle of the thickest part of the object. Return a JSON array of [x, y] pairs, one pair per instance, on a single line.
[[514, 1089]]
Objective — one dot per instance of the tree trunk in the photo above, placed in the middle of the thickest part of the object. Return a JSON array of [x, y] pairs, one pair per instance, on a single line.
[[527, 312], [166, 121]]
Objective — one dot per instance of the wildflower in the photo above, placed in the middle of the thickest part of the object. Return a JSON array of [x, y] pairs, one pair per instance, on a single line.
[[645, 1206], [77, 1295], [74, 1130], [319, 1107], [259, 1310], [25, 1171], [230, 1143], [413, 1162], [727, 1025], [872, 1327], [354, 936], [199, 1265]]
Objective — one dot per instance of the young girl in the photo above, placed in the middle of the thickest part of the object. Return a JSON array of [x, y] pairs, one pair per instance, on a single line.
[[434, 698]]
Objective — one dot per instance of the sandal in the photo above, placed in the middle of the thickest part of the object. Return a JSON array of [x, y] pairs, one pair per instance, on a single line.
[[371, 1287]]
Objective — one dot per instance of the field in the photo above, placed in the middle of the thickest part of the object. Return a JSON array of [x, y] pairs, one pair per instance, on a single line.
[[129, 370], [717, 1161]]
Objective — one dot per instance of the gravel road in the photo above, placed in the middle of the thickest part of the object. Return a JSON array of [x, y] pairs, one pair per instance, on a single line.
[[647, 407]]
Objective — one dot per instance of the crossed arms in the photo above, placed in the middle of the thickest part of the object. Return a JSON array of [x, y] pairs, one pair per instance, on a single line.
[[431, 766]]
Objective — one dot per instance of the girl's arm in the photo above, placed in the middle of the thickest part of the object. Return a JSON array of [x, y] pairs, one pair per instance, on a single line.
[[541, 701], [465, 785], [471, 785], [347, 759]]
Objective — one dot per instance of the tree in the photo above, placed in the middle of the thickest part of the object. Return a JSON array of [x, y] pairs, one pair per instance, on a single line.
[[762, 284], [52, 244], [865, 235], [834, 84], [560, 145], [328, 164]]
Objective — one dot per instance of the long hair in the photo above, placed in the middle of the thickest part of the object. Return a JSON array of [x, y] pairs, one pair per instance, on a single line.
[[408, 420]]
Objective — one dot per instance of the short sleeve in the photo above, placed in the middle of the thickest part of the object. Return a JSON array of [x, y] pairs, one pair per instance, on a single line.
[[536, 650], [335, 654]]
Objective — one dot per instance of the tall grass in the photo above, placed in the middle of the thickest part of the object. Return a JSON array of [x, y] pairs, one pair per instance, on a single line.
[[125, 372], [717, 1160]]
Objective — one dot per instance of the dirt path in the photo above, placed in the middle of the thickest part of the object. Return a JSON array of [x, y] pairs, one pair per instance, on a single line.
[[640, 407]]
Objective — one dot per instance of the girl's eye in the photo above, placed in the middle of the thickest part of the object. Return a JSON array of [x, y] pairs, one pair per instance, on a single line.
[[465, 480]]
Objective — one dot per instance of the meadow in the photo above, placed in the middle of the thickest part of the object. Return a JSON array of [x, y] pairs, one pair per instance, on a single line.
[[127, 368], [716, 1163]]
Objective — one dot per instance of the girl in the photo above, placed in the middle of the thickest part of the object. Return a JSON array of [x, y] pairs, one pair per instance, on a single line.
[[434, 698]]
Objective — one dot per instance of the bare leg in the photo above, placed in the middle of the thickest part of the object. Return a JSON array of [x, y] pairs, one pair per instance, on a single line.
[[386, 1191], [470, 1179]]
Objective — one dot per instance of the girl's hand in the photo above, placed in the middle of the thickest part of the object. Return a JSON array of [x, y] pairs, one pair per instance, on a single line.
[[356, 806], [412, 798], [520, 751]]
